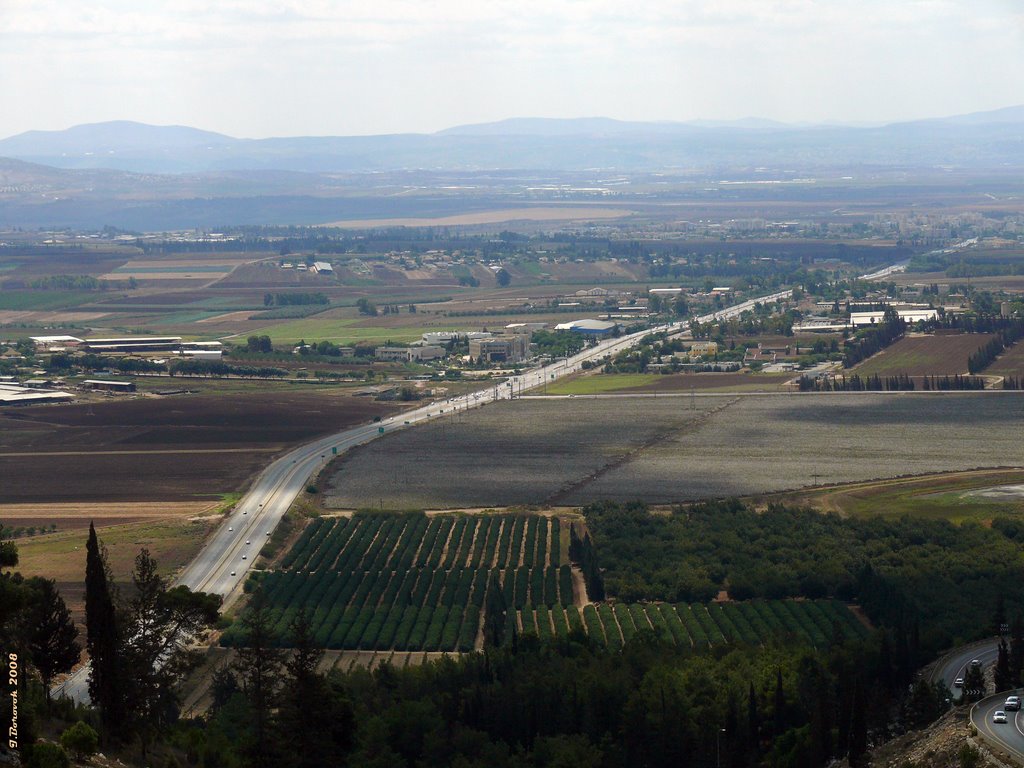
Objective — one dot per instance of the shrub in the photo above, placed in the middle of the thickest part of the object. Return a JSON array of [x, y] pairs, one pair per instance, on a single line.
[[47, 755], [81, 740]]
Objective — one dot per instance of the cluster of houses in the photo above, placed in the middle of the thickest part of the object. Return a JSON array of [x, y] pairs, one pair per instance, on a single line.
[[512, 345]]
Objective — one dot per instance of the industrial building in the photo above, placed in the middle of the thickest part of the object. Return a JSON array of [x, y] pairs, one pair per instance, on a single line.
[[392, 354], [506, 349], [12, 394], [861, 319], [109, 386], [589, 327], [129, 344]]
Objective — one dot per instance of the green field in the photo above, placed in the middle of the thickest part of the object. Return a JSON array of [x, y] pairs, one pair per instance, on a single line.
[[954, 497], [595, 385], [44, 300], [337, 330]]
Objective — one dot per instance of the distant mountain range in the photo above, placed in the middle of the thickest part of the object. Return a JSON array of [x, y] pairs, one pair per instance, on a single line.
[[982, 139]]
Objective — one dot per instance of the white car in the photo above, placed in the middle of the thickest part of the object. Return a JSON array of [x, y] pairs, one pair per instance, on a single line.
[[999, 716], [245, 557], [248, 542], [230, 528], [232, 573], [958, 683]]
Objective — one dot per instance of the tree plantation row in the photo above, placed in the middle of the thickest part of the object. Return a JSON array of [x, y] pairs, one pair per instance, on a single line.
[[375, 542], [361, 585]]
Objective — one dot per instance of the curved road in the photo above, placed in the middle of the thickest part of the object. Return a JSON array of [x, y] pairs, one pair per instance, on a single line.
[[1008, 736], [954, 665], [224, 562]]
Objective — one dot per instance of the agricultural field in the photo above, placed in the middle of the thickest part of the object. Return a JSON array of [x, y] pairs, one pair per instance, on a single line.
[[576, 450], [656, 383], [957, 496], [159, 449], [1010, 363], [924, 356], [699, 626], [523, 452], [413, 583]]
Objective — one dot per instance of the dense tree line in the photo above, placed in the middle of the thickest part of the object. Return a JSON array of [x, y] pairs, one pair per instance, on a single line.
[[294, 299], [1005, 337], [70, 283], [855, 383], [557, 343], [899, 383], [192, 367], [567, 703], [874, 339], [906, 572]]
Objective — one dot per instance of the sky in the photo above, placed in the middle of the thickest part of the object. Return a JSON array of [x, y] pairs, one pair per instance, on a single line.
[[258, 68]]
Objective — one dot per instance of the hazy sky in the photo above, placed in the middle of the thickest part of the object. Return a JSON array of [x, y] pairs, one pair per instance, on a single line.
[[260, 68]]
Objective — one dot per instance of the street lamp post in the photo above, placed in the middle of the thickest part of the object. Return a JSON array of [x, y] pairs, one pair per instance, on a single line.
[[718, 747]]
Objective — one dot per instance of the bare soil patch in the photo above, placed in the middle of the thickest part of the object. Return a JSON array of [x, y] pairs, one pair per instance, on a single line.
[[1010, 363], [925, 356], [182, 448], [74, 516]]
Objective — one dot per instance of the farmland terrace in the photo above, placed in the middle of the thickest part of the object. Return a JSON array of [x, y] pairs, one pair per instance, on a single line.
[[576, 450]]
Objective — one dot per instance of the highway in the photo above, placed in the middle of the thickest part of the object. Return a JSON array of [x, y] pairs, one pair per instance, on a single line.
[[223, 564]]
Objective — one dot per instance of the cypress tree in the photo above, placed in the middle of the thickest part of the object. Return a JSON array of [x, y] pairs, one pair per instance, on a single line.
[[1016, 650], [858, 726], [495, 611], [753, 740], [1003, 678], [780, 706], [102, 637]]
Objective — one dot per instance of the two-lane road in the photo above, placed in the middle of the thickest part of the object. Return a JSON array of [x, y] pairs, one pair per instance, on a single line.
[[1008, 736], [954, 665]]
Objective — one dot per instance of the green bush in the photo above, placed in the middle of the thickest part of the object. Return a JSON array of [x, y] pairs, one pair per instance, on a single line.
[[81, 740], [47, 755]]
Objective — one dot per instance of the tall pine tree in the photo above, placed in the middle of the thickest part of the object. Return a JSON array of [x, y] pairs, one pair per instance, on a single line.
[[50, 631]]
